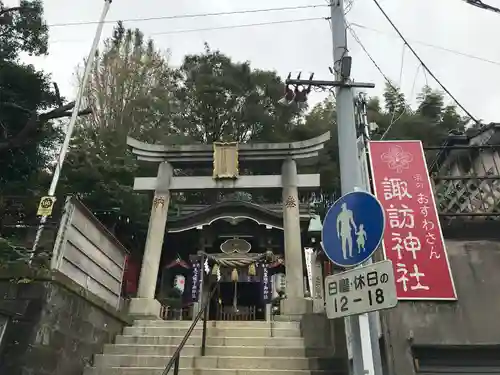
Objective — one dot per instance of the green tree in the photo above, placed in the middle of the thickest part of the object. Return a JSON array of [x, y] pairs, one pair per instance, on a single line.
[[321, 119], [22, 29], [130, 92], [131, 89], [395, 101], [28, 104], [225, 100], [430, 122]]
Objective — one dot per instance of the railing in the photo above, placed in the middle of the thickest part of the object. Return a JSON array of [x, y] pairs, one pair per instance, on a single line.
[[242, 313], [466, 181], [174, 361], [171, 313]]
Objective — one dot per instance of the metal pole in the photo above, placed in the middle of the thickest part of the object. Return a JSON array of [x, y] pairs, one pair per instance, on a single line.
[[363, 148], [72, 121], [176, 365], [350, 173]]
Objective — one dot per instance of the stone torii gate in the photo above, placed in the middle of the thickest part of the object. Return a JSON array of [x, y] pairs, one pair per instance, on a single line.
[[226, 159]]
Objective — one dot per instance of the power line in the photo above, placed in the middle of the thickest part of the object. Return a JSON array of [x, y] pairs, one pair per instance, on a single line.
[[423, 64], [456, 52], [183, 31], [239, 26], [194, 15], [481, 5], [356, 38], [386, 78]]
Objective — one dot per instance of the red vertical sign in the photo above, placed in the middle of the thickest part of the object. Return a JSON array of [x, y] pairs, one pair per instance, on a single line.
[[413, 240]]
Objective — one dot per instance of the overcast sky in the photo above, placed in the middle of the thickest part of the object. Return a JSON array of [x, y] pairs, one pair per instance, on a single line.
[[305, 46]]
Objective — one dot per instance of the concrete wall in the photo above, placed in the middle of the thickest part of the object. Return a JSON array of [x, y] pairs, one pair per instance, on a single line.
[[54, 326], [88, 253], [473, 320]]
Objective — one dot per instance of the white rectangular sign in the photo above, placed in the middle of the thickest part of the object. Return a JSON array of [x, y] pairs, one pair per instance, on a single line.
[[361, 290]]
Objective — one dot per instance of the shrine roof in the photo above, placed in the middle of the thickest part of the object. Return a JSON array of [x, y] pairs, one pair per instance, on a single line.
[[305, 152], [195, 216]]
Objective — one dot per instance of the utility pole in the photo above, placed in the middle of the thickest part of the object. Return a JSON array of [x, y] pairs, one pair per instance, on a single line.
[[350, 172], [72, 121], [363, 333], [373, 317]]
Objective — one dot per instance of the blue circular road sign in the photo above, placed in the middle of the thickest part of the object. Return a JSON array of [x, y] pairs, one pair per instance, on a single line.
[[353, 228]]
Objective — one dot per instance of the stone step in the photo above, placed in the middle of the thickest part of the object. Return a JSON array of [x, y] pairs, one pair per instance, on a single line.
[[243, 351], [213, 331], [214, 323], [203, 371], [215, 362], [212, 341]]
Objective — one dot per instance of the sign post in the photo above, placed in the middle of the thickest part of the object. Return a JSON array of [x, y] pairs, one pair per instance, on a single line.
[[361, 290], [352, 231]]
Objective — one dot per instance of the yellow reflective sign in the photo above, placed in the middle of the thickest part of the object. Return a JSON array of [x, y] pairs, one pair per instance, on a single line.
[[46, 205]]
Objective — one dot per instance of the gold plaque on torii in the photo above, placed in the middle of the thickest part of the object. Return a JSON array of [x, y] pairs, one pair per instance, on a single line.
[[225, 160]]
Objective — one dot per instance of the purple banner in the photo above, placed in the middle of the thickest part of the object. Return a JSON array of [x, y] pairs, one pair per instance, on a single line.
[[196, 281], [266, 283]]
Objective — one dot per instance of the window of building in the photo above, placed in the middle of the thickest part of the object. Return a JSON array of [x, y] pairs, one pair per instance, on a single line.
[[464, 359]]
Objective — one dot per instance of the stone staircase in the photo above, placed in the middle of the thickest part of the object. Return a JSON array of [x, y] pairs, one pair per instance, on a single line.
[[232, 348]]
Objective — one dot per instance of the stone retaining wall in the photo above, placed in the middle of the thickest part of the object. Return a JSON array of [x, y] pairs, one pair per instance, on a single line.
[[54, 326]]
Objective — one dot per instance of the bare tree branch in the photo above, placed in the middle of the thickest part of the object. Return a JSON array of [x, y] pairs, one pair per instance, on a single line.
[[35, 122]]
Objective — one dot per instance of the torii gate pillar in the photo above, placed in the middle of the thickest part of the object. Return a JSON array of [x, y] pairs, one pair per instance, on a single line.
[[145, 305], [294, 304]]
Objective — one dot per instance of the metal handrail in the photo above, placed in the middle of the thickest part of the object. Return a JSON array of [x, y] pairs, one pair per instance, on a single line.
[[174, 361]]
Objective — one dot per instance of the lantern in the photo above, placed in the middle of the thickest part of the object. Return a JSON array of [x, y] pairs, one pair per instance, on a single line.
[[215, 269], [251, 270], [234, 278], [234, 275], [180, 283]]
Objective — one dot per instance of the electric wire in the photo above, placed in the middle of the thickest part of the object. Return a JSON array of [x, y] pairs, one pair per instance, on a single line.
[[356, 38], [400, 82], [415, 80], [456, 52], [349, 6], [353, 24], [183, 31], [194, 15], [229, 27], [402, 65], [386, 78], [423, 64], [481, 5]]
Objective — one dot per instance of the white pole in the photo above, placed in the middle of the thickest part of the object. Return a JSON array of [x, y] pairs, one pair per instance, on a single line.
[[72, 121], [350, 173]]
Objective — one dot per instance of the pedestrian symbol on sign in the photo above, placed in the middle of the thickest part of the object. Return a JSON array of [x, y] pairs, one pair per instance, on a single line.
[[345, 228], [352, 229]]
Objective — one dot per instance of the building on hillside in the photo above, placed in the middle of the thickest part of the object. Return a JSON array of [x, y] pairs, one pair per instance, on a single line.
[[461, 336], [466, 171]]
